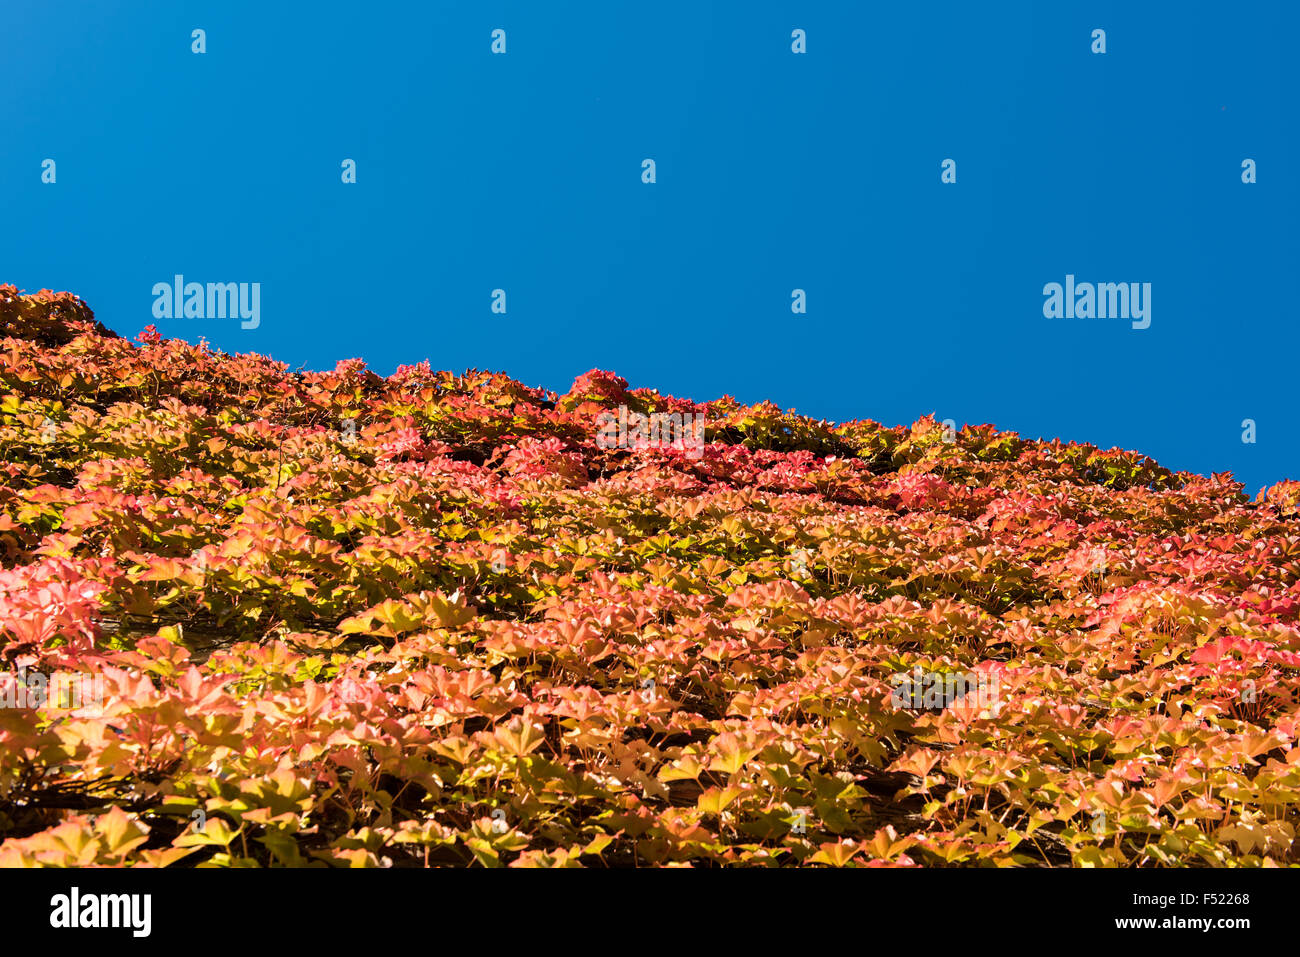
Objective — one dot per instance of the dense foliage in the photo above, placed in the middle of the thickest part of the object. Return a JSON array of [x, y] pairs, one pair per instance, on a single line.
[[428, 619]]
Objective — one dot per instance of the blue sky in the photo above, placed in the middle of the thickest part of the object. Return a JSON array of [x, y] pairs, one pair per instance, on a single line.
[[775, 171]]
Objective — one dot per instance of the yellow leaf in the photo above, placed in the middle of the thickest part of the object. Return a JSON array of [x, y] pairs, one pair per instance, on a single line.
[[715, 800], [215, 832]]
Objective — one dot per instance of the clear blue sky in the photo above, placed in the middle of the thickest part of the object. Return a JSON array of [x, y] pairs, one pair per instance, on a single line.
[[775, 171]]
